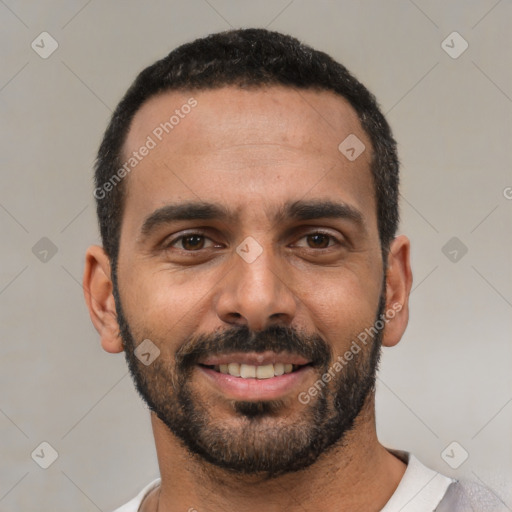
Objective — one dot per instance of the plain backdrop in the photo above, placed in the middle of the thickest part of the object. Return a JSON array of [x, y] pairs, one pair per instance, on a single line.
[[448, 380]]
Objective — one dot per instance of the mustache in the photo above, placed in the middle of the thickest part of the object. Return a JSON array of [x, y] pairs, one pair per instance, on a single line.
[[241, 339]]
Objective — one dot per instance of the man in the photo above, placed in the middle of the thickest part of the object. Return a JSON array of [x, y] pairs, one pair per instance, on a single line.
[[247, 195]]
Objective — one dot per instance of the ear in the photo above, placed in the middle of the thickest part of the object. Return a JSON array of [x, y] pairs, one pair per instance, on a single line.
[[97, 285], [398, 288]]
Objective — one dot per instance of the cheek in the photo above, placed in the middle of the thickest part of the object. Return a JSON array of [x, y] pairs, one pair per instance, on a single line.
[[164, 305], [339, 304]]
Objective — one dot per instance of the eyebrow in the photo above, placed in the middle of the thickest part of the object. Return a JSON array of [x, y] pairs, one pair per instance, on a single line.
[[296, 210], [321, 209], [183, 211]]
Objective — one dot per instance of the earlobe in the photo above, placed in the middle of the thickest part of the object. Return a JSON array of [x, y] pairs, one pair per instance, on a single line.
[[97, 286], [398, 288]]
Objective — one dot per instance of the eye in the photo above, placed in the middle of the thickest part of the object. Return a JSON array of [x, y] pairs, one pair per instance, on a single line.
[[191, 242], [318, 240]]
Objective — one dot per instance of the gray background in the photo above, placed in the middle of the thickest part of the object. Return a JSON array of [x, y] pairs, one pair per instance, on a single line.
[[448, 380]]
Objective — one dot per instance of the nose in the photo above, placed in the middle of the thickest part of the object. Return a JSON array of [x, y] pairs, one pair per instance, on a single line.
[[254, 293]]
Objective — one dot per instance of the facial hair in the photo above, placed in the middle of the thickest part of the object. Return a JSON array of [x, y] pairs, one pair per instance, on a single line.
[[263, 441]]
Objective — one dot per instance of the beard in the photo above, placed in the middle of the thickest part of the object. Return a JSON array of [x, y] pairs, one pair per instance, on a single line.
[[263, 440]]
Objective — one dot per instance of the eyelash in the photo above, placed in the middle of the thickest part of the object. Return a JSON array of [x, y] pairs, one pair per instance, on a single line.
[[169, 245]]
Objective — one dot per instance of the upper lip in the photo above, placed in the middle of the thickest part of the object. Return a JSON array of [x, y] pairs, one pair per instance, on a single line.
[[255, 358]]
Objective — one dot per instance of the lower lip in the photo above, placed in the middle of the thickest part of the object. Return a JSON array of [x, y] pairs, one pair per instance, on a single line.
[[239, 388]]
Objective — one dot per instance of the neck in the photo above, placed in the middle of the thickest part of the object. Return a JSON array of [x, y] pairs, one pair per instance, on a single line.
[[357, 475]]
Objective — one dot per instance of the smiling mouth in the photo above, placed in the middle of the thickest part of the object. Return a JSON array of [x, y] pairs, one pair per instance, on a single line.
[[249, 371]]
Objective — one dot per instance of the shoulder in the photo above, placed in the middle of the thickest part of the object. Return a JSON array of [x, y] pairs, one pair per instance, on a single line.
[[134, 504], [466, 496]]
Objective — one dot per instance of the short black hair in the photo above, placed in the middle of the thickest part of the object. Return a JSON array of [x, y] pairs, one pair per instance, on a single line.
[[247, 58]]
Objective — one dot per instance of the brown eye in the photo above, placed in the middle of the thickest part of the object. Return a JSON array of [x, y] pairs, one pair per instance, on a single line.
[[318, 241], [191, 242]]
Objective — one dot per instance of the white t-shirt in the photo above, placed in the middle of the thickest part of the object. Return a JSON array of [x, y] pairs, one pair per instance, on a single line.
[[134, 504], [420, 490]]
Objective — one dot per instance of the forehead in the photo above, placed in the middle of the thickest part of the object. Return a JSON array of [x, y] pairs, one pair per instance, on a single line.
[[260, 145], [247, 115]]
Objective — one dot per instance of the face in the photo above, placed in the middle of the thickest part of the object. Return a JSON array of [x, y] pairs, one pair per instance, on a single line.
[[249, 245]]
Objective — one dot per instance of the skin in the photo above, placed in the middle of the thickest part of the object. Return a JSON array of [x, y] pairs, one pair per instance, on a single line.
[[252, 151]]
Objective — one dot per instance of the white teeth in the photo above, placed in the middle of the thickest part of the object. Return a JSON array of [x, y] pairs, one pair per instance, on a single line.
[[278, 369], [234, 369], [249, 371], [265, 372]]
